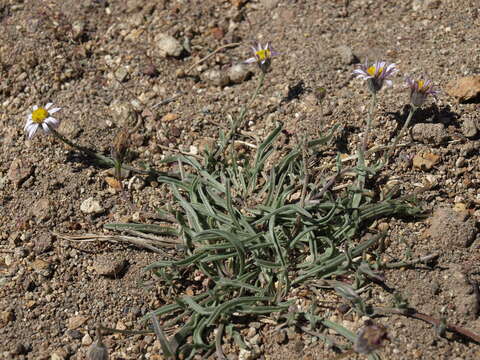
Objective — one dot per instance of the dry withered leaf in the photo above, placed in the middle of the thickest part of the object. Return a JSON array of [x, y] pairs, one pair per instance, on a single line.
[[217, 32], [120, 145], [170, 117], [113, 183], [238, 3], [426, 161]]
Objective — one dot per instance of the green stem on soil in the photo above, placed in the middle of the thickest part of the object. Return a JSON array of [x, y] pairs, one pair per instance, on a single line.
[[105, 160], [409, 312], [400, 264], [373, 104], [239, 120], [329, 184], [400, 134], [306, 179], [362, 148], [118, 170], [218, 342]]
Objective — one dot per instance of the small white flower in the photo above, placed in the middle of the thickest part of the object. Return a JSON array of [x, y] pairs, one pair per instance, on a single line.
[[262, 55], [376, 74], [419, 90], [41, 117]]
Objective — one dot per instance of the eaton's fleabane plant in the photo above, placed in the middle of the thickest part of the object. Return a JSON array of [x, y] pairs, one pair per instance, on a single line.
[[419, 90], [262, 55], [376, 75], [257, 227], [41, 117]]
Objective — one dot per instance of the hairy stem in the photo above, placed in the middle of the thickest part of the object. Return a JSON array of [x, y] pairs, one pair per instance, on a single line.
[[105, 160], [400, 134], [430, 319], [362, 148], [422, 259], [239, 120], [373, 105]]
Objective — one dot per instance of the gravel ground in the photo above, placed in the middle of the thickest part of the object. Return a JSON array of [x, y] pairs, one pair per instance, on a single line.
[[139, 65]]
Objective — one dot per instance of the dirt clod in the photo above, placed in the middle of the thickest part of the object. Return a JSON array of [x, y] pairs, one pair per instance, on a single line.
[[5, 317], [41, 209], [239, 73], [91, 206], [168, 45], [346, 54], [107, 265], [19, 171], [216, 77], [469, 127], [462, 292], [102, 61], [450, 228], [429, 133]]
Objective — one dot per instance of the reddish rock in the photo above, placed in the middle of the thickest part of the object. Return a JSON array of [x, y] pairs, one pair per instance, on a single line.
[[464, 89]]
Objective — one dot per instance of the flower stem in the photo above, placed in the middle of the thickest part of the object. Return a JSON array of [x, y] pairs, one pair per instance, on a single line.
[[105, 160], [362, 148], [306, 179], [410, 312], [400, 134], [373, 104], [239, 120]]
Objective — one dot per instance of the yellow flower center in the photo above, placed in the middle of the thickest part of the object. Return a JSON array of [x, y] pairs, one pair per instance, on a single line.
[[372, 70], [422, 87], [263, 54], [39, 115]]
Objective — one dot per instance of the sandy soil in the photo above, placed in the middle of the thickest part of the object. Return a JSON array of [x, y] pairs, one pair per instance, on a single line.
[[101, 61]]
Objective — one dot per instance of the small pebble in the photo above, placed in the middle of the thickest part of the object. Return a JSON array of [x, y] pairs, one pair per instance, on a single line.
[[469, 127], [76, 321], [168, 46], [106, 265], [216, 77], [346, 54], [429, 133], [239, 73], [91, 206], [87, 340], [6, 317], [460, 162]]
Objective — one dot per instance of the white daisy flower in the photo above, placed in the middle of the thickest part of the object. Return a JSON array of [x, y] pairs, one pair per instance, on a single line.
[[419, 90], [262, 55], [376, 74], [41, 117]]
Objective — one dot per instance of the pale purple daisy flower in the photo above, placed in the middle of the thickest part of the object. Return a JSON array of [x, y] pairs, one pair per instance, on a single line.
[[376, 74], [41, 117], [262, 55], [419, 90]]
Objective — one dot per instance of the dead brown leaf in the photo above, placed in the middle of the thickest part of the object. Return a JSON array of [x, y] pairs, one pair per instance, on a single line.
[[426, 161]]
